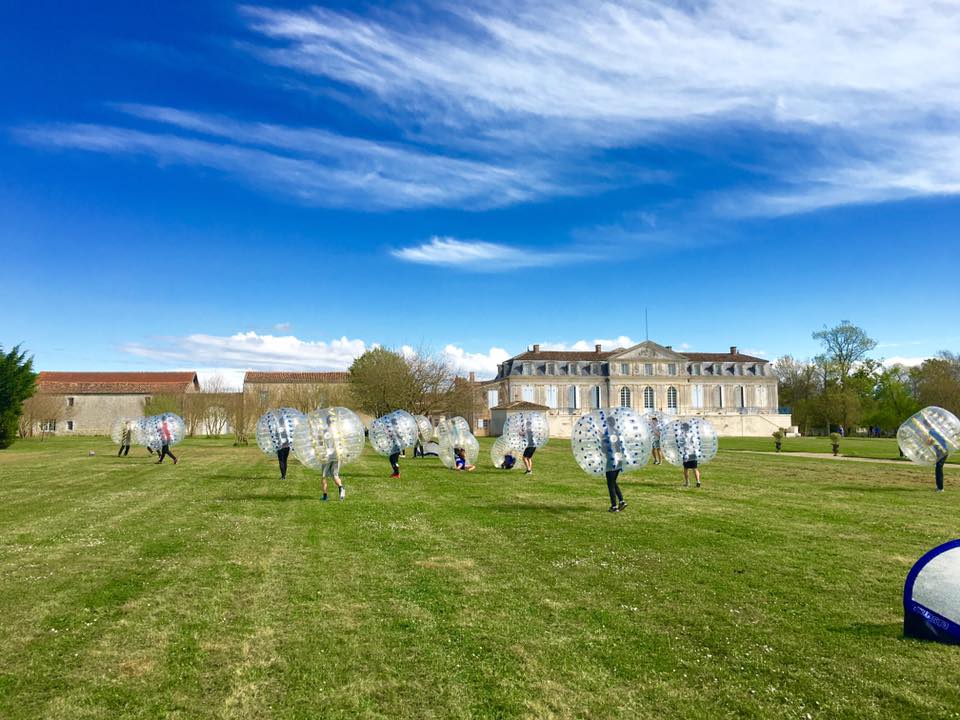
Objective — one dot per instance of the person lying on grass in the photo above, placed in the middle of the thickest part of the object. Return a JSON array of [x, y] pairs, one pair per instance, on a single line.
[[460, 459]]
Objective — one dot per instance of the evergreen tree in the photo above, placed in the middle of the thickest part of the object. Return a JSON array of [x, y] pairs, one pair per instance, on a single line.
[[17, 383]]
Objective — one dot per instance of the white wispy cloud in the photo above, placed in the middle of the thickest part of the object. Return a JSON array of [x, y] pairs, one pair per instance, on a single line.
[[870, 87], [906, 361], [482, 256], [311, 165], [229, 355], [623, 341]]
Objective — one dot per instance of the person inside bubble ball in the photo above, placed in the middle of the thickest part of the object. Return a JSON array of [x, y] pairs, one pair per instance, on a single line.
[[508, 462], [126, 436], [460, 460], [529, 451], [657, 452], [395, 464], [617, 503], [690, 455], [331, 469], [938, 471], [165, 437]]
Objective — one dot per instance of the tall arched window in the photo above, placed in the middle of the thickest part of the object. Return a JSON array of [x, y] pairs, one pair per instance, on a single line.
[[595, 397], [625, 397], [718, 396], [742, 396], [672, 402], [573, 397], [648, 398]]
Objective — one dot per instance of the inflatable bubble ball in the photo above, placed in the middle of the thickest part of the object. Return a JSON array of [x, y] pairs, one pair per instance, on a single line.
[[657, 422], [327, 435], [931, 595], [531, 426], [611, 439], [455, 433], [425, 427], [125, 431], [158, 430], [506, 445], [929, 435], [392, 433], [275, 429], [689, 439]]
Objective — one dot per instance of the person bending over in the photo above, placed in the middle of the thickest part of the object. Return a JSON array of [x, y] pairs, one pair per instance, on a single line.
[[332, 470], [460, 460], [617, 503]]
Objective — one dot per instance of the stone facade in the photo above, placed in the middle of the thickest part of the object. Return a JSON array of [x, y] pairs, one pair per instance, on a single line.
[[738, 393], [88, 403]]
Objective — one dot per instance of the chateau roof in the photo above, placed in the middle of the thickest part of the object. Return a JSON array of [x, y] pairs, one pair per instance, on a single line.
[[585, 355], [520, 405], [116, 383], [295, 377], [722, 357]]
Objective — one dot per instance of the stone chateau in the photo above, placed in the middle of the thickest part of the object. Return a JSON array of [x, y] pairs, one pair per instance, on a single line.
[[735, 391]]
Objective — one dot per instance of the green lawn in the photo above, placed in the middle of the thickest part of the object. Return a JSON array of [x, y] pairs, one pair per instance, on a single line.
[[213, 590], [885, 448]]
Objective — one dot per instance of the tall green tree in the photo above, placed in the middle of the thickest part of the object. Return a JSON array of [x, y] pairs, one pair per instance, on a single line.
[[937, 382], [17, 383], [381, 381], [844, 346], [893, 401]]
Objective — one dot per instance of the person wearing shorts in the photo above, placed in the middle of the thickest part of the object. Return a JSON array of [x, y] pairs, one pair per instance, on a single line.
[[528, 459], [460, 461], [657, 452], [331, 469], [688, 465]]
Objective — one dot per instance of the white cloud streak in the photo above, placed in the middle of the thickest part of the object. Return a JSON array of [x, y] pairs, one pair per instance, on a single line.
[[479, 256], [230, 355], [878, 79]]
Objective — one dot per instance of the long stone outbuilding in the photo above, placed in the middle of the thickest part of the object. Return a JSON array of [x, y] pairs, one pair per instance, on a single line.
[[88, 403]]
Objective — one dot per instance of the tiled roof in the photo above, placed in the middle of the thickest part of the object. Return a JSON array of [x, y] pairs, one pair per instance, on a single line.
[[585, 355], [520, 405], [115, 383], [721, 357], [296, 377]]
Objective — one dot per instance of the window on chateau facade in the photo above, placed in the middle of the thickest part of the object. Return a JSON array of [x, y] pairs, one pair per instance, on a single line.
[[573, 397], [551, 396], [493, 398], [672, 402], [527, 393], [648, 369], [595, 397], [70, 425], [70, 401], [742, 396], [648, 398], [760, 393], [48, 426], [694, 369], [716, 369], [718, 397], [624, 369], [672, 369], [528, 368], [625, 397], [697, 396], [595, 368]]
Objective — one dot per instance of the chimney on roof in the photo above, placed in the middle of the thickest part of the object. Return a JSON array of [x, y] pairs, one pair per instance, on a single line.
[[536, 348], [733, 349], [472, 377], [596, 347]]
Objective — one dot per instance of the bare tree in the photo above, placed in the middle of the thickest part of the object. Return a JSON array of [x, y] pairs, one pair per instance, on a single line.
[[307, 397], [214, 412], [844, 346], [242, 414], [41, 413]]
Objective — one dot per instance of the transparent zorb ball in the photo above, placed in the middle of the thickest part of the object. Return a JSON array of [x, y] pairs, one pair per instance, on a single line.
[[327, 435], [611, 439], [275, 429], [929, 435], [689, 439], [392, 433], [503, 446], [145, 433], [425, 428], [453, 433], [657, 422], [529, 427], [159, 430]]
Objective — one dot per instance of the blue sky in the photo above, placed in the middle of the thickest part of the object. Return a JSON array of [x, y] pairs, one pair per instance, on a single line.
[[228, 186]]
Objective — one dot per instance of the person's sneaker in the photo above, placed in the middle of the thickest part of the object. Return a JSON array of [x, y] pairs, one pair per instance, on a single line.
[[528, 472], [939, 489], [622, 505], [613, 508], [176, 460], [395, 476], [698, 483], [324, 498], [343, 493]]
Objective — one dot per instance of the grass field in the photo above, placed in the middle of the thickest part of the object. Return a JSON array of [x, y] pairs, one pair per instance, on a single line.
[[212, 590], [881, 448]]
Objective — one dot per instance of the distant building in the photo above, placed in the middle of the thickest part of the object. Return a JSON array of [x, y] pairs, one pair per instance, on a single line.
[[87, 403], [737, 392]]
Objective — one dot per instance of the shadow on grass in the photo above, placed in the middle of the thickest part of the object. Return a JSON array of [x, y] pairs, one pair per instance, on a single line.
[[268, 497], [889, 630]]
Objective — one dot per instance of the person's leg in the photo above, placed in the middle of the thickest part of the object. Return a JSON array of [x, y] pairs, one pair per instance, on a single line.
[[938, 473], [622, 503], [172, 456], [120, 452], [611, 488], [161, 454], [686, 477], [323, 482], [395, 464], [337, 481], [282, 455], [126, 450], [696, 474]]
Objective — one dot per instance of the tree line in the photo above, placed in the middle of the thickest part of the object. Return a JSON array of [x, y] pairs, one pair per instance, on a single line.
[[843, 387]]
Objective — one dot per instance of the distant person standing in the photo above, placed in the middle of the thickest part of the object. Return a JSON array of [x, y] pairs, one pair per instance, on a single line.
[[395, 464], [332, 470], [126, 437], [617, 503], [657, 452], [165, 437], [529, 451], [283, 454], [691, 454]]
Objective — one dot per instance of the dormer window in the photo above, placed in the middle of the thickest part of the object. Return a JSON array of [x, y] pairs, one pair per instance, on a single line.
[[648, 369], [624, 368], [671, 369], [528, 368]]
